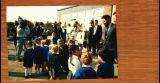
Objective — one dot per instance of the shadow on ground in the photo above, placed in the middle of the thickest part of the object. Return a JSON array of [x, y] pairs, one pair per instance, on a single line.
[[12, 57], [35, 76]]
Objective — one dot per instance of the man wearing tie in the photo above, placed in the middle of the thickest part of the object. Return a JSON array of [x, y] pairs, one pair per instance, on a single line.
[[110, 39], [97, 34]]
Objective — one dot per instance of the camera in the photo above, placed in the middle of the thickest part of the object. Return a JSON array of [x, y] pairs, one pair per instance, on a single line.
[[22, 22]]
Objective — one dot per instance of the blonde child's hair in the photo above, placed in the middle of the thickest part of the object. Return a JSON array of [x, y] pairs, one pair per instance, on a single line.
[[54, 49], [43, 42], [86, 59]]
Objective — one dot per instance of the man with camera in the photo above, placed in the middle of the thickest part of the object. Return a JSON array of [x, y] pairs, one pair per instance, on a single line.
[[22, 32], [76, 29]]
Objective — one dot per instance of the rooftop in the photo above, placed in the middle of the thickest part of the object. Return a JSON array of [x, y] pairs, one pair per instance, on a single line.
[[67, 8]]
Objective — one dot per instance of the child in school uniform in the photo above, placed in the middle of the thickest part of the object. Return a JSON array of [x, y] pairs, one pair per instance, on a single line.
[[73, 61], [28, 59], [73, 41], [54, 63], [38, 55], [86, 71], [45, 49], [106, 67], [49, 53], [42, 44]]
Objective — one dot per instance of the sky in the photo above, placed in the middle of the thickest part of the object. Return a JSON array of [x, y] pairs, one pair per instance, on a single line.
[[33, 13]]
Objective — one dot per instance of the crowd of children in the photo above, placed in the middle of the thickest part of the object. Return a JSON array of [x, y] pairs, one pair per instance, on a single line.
[[48, 61]]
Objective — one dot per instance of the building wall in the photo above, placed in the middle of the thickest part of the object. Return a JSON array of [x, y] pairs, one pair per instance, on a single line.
[[58, 18], [108, 10], [113, 10]]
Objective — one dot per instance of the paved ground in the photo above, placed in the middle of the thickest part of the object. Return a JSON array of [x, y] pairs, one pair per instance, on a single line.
[[16, 69]]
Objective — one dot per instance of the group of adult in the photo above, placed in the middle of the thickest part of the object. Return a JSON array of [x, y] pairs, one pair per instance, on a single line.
[[110, 38], [95, 34], [64, 32], [22, 32]]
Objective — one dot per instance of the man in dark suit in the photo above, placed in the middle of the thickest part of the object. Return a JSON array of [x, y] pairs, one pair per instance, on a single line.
[[90, 34], [64, 31], [37, 30], [110, 39], [97, 34], [58, 31], [64, 54]]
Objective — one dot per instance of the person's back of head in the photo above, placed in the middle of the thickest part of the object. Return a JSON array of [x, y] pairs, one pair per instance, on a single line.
[[29, 43], [54, 49], [104, 54], [38, 41], [48, 41], [86, 59]]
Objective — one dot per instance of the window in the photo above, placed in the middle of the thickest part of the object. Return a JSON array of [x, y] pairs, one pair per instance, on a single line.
[[98, 12], [74, 16], [86, 24], [81, 14], [68, 17], [89, 14]]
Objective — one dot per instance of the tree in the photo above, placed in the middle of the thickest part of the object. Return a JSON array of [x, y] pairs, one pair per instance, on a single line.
[[49, 27]]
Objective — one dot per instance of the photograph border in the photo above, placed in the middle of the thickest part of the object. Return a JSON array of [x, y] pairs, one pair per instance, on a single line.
[[137, 39]]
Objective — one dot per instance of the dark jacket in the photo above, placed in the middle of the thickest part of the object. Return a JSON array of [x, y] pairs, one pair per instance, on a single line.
[[110, 42], [64, 52], [58, 32], [37, 32], [90, 34], [98, 34]]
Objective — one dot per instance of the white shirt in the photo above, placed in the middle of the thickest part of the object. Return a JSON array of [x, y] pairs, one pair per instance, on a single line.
[[29, 48], [76, 63], [63, 30], [69, 29], [38, 45], [95, 29], [86, 65]]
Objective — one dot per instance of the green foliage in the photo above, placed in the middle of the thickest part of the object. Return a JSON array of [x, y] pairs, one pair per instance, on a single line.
[[48, 25], [10, 24], [31, 24]]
